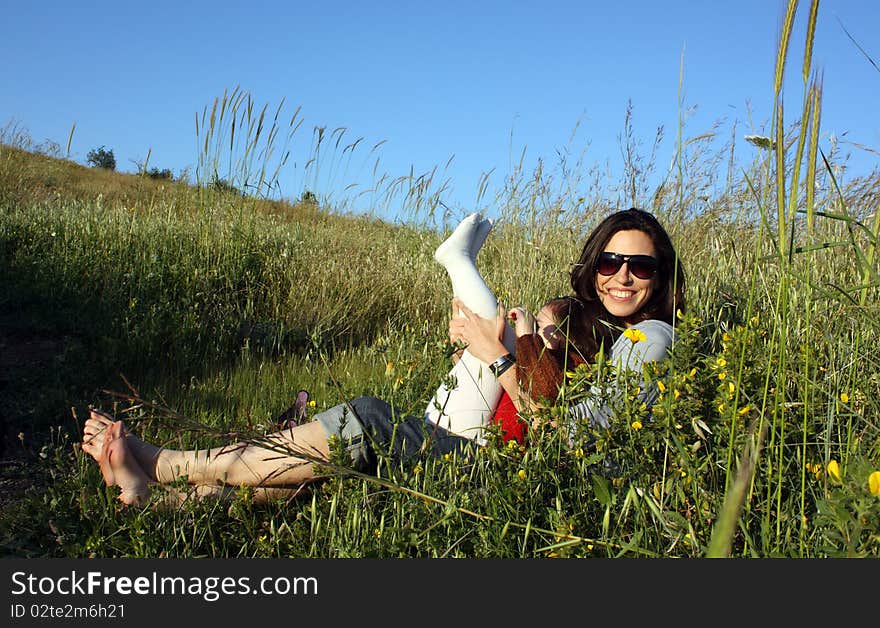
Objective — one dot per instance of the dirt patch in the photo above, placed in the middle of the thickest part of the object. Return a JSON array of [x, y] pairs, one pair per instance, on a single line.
[[20, 351]]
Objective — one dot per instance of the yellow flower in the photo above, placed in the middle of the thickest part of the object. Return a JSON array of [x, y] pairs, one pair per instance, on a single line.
[[636, 335], [720, 407], [312, 403], [722, 375], [521, 474], [637, 425], [834, 470], [874, 483], [676, 394], [661, 385], [389, 369], [744, 410], [570, 374], [511, 444], [417, 469], [693, 372], [844, 398], [447, 457], [721, 362], [725, 337], [731, 387]]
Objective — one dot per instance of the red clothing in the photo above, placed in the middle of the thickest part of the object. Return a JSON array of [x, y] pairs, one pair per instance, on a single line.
[[539, 370], [512, 427]]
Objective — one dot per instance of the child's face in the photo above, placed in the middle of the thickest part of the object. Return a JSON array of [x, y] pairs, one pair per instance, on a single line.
[[548, 330]]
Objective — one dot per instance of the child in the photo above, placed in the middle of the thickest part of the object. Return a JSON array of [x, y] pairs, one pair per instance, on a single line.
[[547, 345]]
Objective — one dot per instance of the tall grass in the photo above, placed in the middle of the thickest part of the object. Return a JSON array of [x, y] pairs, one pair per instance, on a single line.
[[197, 312]]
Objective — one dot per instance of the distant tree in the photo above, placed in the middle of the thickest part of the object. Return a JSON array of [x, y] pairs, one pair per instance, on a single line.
[[165, 173], [101, 158]]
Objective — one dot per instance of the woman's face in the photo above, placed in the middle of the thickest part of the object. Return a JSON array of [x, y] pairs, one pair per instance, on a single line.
[[623, 294]]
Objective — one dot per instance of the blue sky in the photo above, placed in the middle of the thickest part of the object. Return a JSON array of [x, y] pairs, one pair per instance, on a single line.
[[476, 83]]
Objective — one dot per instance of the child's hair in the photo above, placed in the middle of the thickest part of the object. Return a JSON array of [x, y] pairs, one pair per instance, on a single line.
[[540, 370], [578, 338]]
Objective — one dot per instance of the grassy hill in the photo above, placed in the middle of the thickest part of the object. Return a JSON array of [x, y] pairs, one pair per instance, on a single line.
[[198, 313]]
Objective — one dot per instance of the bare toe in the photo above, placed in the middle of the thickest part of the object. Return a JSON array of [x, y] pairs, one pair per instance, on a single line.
[[120, 468]]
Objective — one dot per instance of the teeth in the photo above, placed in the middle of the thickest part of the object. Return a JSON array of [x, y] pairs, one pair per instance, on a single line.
[[619, 293]]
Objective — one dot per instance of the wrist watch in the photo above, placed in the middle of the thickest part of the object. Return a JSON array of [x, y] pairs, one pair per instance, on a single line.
[[502, 364]]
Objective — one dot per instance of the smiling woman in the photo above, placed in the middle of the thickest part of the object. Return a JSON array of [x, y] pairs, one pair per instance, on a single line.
[[628, 282]]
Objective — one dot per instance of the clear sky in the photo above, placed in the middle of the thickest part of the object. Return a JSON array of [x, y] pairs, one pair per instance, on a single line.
[[464, 86]]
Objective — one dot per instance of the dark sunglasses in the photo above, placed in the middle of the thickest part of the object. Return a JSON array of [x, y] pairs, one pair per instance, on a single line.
[[642, 266]]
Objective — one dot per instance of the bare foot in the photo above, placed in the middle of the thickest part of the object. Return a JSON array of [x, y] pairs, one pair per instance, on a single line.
[[95, 430], [120, 468]]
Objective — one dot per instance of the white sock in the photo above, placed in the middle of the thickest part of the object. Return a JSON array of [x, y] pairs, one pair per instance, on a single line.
[[465, 409]]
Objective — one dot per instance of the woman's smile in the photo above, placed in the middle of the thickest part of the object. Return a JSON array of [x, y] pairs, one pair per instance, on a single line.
[[623, 294]]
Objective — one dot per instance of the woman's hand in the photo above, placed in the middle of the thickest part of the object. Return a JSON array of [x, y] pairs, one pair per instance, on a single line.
[[454, 340], [482, 335]]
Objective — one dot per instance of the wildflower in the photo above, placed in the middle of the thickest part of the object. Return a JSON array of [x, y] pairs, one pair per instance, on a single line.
[[731, 387], [744, 410], [693, 372], [722, 375], [590, 547], [834, 470], [721, 362], [661, 386], [684, 473], [676, 394], [635, 335], [417, 469], [637, 425], [389, 369], [570, 374], [312, 403], [521, 474], [874, 483], [725, 337], [579, 452], [720, 407], [844, 398], [447, 457]]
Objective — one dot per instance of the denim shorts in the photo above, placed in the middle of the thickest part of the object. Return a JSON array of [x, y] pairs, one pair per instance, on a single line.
[[370, 429]]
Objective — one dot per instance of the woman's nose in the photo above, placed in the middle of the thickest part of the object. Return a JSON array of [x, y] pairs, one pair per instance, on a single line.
[[623, 275]]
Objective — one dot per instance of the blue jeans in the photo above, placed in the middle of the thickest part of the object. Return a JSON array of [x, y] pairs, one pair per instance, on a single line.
[[370, 429]]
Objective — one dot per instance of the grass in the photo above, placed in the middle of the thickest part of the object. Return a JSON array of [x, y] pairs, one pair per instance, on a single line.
[[197, 313]]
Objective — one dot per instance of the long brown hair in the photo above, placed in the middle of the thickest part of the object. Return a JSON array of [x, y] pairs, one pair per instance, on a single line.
[[669, 282]]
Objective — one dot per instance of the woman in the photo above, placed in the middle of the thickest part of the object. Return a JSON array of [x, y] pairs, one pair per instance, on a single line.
[[628, 277]]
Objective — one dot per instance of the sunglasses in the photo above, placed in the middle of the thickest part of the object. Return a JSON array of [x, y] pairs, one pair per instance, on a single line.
[[642, 266]]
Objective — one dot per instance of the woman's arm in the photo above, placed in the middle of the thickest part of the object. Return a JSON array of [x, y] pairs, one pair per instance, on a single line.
[[483, 339], [650, 342]]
